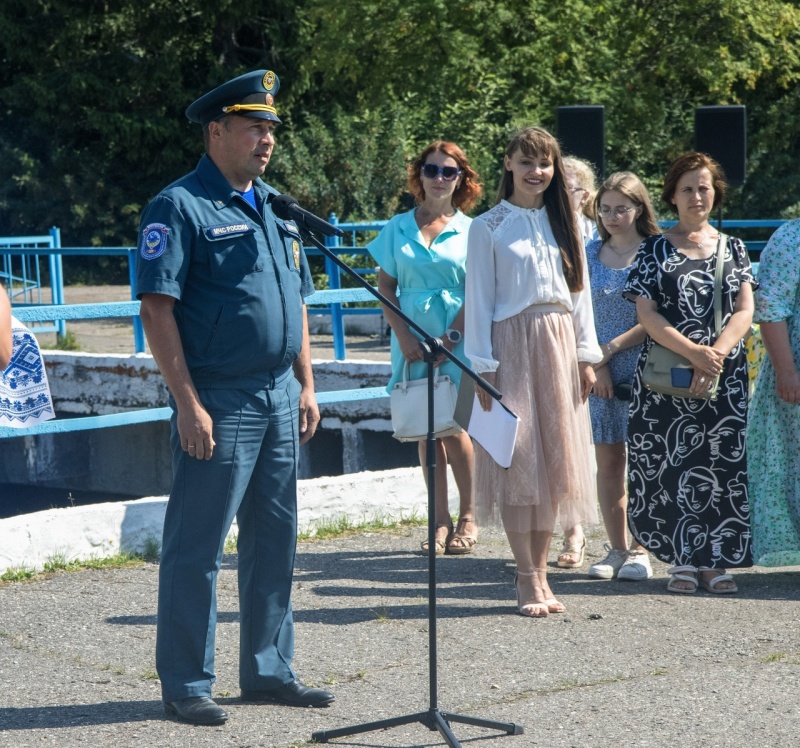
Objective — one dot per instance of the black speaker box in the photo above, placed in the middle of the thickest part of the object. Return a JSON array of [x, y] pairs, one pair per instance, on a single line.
[[721, 132], [581, 132]]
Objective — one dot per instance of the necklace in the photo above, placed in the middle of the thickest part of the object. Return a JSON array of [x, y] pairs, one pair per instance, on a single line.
[[697, 246], [624, 251]]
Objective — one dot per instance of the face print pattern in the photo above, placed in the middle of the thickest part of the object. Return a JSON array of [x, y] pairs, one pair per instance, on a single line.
[[687, 474]]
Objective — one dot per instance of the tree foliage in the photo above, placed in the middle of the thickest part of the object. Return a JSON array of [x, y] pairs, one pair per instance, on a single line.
[[92, 94]]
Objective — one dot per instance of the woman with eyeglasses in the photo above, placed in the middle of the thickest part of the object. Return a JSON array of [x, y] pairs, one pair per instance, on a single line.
[[687, 465], [422, 257], [530, 333], [626, 219]]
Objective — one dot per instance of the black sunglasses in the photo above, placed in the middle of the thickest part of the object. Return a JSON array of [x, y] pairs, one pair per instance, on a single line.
[[449, 173]]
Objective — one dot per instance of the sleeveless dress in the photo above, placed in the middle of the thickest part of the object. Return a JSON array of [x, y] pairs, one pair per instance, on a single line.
[[687, 466]]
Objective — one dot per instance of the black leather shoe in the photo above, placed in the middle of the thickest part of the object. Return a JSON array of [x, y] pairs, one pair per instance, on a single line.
[[293, 693], [199, 710]]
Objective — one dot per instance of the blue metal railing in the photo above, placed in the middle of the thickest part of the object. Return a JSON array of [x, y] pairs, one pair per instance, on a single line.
[[21, 271], [129, 308], [26, 281]]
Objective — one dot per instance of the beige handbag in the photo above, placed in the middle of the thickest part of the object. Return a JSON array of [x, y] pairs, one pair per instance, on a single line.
[[657, 374]]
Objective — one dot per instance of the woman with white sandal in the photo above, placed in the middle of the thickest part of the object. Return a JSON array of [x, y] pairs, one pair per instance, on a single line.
[[687, 465]]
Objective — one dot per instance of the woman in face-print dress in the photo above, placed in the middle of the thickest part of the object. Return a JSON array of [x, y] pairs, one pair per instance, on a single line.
[[687, 469]]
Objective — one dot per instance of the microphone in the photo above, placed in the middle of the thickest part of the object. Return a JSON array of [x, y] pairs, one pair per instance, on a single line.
[[288, 209]]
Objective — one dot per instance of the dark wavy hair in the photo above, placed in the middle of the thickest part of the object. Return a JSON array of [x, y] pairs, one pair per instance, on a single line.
[[691, 162], [628, 184], [469, 189], [535, 141]]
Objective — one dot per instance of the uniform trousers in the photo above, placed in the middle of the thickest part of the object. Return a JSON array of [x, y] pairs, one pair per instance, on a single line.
[[252, 475]]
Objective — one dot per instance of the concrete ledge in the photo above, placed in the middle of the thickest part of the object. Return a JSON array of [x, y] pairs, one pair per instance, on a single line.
[[102, 530]]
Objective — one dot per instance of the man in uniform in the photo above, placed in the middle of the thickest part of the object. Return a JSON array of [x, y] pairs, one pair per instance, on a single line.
[[222, 282]]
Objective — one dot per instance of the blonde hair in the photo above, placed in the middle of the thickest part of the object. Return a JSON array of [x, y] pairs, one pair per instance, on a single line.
[[584, 175]]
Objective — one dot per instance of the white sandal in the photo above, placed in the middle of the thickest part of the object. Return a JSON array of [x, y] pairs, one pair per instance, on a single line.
[[710, 585], [681, 574]]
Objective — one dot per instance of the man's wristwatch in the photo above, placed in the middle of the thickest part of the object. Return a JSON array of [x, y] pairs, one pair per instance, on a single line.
[[454, 336]]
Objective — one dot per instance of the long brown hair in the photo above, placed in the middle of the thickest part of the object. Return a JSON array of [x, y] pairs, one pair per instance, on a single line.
[[628, 184], [467, 193], [535, 141]]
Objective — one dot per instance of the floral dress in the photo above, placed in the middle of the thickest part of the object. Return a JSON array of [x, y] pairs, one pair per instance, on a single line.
[[613, 315], [773, 427], [687, 468]]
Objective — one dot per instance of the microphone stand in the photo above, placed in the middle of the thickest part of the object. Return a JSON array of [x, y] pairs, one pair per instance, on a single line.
[[433, 718]]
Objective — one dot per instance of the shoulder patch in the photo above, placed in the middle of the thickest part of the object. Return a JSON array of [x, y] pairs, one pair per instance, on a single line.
[[154, 240]]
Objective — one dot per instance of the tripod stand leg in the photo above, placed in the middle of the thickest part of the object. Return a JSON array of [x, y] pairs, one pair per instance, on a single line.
[[510, 728], [323, 736]]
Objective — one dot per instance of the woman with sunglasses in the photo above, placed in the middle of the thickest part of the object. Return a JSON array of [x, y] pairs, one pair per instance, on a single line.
[[626, 219], [530, 333], [422, 257]]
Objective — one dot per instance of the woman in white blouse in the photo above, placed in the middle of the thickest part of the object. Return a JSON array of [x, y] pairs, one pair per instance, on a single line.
[[530, 332]]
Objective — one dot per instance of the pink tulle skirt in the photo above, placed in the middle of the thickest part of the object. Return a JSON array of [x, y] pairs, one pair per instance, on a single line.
[[552, 474]]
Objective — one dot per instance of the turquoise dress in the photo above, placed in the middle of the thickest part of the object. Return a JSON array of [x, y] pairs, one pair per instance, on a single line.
[[430, 282], [773, 426]]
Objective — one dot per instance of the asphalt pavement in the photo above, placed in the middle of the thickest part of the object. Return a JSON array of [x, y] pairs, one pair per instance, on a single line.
[[628, 664]]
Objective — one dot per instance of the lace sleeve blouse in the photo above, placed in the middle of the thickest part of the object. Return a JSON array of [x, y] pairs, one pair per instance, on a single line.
[[513, 262]]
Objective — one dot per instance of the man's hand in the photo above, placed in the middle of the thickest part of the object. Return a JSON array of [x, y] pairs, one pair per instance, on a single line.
[[309, 414], [196, 431]]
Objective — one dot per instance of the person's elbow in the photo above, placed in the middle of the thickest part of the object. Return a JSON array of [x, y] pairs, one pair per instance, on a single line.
[[154, 307]]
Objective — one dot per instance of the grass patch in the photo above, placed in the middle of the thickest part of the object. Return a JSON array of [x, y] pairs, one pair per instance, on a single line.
[[18, 574], [59, 563], [151, 550], [336, 527], [66, 342], [230, 544]]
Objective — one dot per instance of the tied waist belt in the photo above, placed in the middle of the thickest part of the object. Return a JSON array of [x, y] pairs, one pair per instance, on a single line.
[[427, 295]]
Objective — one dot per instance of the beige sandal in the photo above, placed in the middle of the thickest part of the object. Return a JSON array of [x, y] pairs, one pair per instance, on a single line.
[[440, 546], [570, 550], [530, 609], [461, 543]]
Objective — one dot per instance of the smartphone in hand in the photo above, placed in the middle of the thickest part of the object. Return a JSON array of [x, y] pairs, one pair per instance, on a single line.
[[681, 377]]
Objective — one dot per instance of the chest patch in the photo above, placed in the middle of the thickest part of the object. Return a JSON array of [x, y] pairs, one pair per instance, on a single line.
[[154, 240], [224, 230]]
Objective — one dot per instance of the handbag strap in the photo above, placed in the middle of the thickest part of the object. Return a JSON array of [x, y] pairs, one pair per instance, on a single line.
[[406, 372], [720, 269]]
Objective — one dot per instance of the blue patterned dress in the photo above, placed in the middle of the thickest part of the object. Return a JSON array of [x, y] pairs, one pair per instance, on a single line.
[[687, 466], [613, 315]]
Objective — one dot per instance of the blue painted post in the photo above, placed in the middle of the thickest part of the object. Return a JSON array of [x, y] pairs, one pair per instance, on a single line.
[[334, 282], [57, 277], [138, 330]]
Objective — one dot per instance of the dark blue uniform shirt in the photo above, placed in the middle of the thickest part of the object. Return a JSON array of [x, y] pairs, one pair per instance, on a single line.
[[239, 276]]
